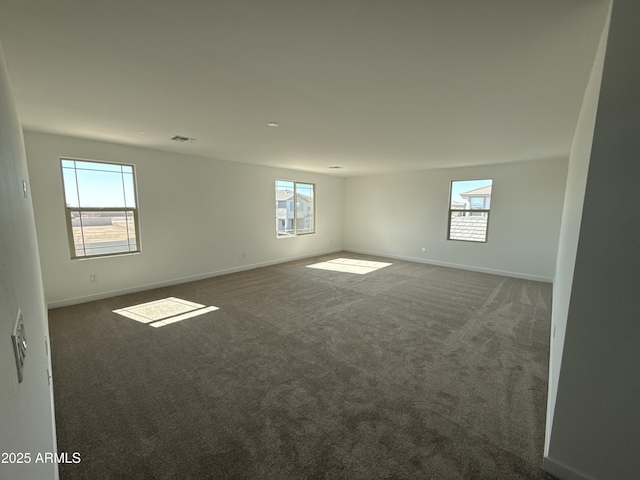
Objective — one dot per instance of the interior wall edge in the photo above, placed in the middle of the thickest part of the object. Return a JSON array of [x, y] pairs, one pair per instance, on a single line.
[[572, 211], [27, 420]]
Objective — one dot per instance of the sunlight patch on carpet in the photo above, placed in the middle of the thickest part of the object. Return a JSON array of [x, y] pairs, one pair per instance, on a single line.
[[350, 265], [164, 312]]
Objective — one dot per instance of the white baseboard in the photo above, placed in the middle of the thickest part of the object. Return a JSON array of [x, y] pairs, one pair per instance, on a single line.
[[176, 281], [562, 471], [524, 276]]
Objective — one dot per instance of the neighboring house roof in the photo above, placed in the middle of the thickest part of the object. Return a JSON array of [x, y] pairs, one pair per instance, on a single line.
[[468, 228], [457, 205], [283, 195], [477, 192]]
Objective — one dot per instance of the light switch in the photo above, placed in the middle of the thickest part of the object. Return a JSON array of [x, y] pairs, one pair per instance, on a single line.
[[19, 340]]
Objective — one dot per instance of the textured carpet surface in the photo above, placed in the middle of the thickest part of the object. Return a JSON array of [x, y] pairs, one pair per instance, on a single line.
[[411, 371]]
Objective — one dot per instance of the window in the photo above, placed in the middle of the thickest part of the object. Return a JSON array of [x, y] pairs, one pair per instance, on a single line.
[[469, 206], [295, 208], [100, 208]]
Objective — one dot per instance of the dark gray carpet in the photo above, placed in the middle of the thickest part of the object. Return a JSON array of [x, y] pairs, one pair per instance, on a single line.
[[412, 371]]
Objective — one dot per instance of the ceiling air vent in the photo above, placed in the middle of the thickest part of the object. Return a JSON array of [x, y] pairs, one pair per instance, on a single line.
[[181, 139]]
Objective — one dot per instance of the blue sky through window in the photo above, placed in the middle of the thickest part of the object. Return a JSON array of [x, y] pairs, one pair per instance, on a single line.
[[98, 185], [458, 187]]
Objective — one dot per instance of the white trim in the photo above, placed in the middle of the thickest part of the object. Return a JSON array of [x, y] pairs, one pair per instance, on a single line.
[[492, 271], [203, 276], [177, 281], [562, 471], [54, 431]]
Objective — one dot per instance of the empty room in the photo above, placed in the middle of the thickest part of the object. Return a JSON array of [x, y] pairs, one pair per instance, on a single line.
[[319, 239]]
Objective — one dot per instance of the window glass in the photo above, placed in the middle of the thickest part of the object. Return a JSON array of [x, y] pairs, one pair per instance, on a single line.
[[469, 208], [295, 208], [100, 189], [476, 202], [100, 203]]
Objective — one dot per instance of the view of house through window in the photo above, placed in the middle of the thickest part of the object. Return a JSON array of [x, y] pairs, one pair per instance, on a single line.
[[101, 208], [295, 208], [469, 206]]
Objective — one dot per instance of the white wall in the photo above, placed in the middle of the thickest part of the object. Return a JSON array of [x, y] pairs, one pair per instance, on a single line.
[[398, 214], [570, 228], [596, 423], [197, 217], [26, 418]]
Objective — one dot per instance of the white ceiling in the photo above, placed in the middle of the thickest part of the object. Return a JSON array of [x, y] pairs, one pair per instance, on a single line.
[[370, 85]]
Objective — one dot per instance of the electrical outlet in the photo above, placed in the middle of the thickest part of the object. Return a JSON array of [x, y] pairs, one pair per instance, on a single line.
[[243, 255], [93, 278], [424, 250]]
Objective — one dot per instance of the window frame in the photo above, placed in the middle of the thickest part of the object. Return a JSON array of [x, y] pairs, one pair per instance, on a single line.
[[80, 210], [485, 211], [295, 209]]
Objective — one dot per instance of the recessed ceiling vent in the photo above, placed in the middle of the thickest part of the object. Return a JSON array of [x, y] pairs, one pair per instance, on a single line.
[[181, 139]]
